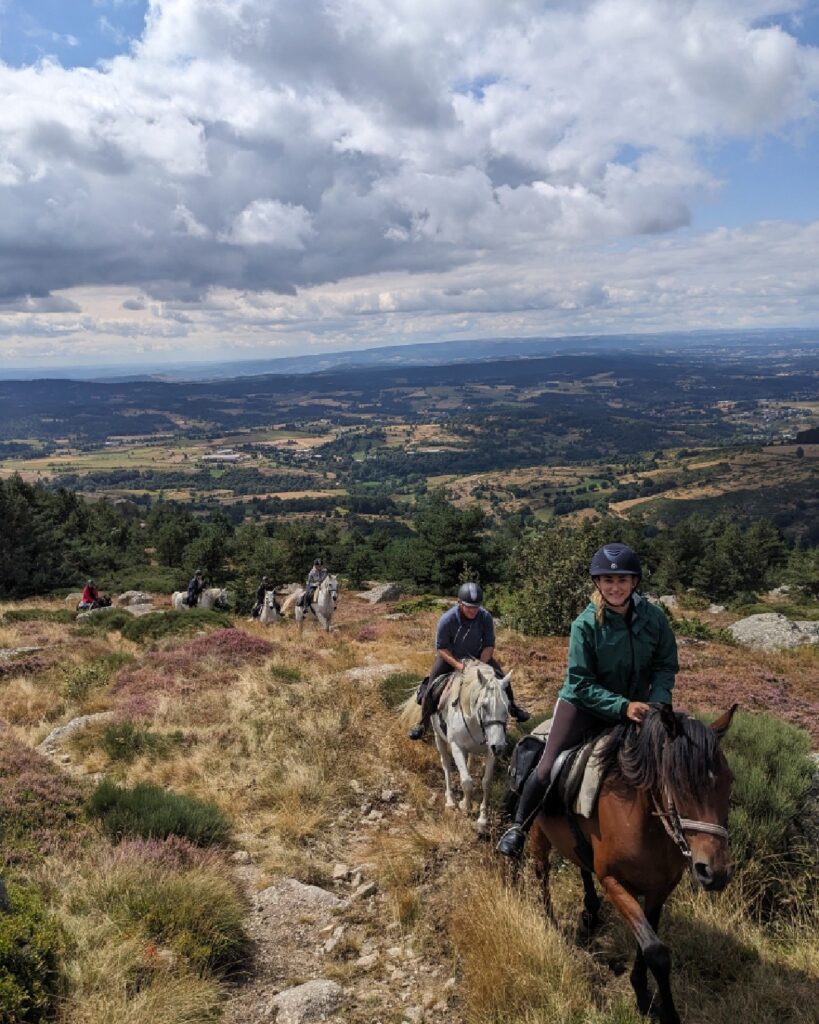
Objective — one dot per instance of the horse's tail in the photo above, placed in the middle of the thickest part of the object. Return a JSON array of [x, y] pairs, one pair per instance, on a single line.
[[409, 713], [289, 602]]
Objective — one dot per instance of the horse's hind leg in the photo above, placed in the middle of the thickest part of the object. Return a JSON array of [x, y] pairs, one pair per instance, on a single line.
[[466, 778], [590, 918]]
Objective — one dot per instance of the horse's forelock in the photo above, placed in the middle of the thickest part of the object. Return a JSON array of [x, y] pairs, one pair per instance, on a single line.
[[647, 757]]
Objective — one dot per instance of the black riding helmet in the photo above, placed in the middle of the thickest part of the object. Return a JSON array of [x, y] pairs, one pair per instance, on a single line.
[[471, 595], [615, 560]]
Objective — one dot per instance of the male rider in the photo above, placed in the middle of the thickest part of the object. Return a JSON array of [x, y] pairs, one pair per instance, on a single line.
[[261, 594], [195, 588], [465, 631]]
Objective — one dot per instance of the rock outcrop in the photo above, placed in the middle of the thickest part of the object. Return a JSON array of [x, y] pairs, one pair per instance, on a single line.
[[383, 592], [773, 632]]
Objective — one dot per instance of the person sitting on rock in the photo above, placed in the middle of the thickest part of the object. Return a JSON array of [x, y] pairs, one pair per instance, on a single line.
[[465, 631], [195, 588], [90, 597], [261, 594], [315, 578]]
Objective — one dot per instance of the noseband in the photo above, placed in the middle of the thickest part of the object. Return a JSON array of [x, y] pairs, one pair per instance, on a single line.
[[676, 827]]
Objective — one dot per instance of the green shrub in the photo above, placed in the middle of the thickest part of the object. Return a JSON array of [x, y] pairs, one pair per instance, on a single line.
[[30, 948], [776, 861], [155, 625], [80, 680], [424, 603], [198, 912], [696, 629], [124, 741], [397, 687], [40, 615], [285, 674], [154, 813], [104, 622]]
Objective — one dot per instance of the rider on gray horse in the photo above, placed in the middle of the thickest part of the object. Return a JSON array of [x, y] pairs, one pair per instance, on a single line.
[[465, 631], [315, 578], [261, 594], [195, 588]]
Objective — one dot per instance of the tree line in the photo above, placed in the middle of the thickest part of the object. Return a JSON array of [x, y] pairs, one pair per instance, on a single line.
[[535, 575]]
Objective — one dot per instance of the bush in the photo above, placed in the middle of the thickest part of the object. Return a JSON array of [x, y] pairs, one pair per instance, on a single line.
[[194, 909], [39, 615], [154, 813], [696, 629], [124, 741], [397, 687], [424, 603], [776, 861], [30, 947], [79, 680], [285, 674], [155, 625]]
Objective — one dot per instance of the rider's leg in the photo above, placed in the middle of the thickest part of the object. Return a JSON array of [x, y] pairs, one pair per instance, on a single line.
[[439, 668], [570, 725], [515, 710]]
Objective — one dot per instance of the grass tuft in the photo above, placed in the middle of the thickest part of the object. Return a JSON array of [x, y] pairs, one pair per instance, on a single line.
[[152, 812]]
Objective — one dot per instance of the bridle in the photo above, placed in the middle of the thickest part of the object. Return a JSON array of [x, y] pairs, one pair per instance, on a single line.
[[483, 724], [676, 827]]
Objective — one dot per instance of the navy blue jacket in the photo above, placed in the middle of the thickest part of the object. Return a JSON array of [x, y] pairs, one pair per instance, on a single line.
[[463, 637]]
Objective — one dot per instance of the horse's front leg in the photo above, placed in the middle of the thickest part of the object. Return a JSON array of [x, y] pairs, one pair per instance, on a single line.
[[482, 824], [466, 779], [447, 764], [590, 918], [651, 952]]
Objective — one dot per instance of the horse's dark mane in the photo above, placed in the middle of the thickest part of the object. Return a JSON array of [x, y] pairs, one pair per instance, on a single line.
[[647, 757]]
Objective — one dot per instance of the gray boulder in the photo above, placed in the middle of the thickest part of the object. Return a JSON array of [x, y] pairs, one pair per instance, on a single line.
[[132, 597], [773, 632], [314, 1001], [383, 592]]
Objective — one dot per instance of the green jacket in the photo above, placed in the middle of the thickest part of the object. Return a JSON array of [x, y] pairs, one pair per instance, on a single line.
[[613, 664]]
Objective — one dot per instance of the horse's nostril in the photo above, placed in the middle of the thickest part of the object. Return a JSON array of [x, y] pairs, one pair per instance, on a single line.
[[703, 872]]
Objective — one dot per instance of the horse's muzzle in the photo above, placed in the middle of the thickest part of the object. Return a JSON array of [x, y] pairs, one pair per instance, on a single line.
[[712, 880]]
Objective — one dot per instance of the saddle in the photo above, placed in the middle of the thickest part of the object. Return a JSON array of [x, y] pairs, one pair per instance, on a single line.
[[575, 777]]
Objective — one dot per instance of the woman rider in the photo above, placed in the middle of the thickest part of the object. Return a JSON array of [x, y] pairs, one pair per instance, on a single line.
[[622, 657]]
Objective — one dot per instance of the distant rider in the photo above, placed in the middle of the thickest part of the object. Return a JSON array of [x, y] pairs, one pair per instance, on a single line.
[[195, 588], [261, 595], [622, 658], [90, 596], [465, 631], [315, 578]]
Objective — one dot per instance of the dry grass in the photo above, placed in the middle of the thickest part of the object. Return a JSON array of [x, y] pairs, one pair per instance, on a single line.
[[277, 742]]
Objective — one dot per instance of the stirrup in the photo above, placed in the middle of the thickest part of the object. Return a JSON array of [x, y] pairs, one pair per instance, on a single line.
[[512, 842], [519, 714]]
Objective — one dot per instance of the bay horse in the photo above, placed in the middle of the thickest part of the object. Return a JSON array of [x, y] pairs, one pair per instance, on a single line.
[[662, 809]]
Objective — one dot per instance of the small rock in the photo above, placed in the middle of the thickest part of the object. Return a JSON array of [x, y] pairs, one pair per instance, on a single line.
[[340, 872], [450, 984], [367, 961], [356, 786], [375, 816], [394, 951], [414, 1014], [716, 609], [241, 857], [313, 1001], [326, 931], [364, 891], [387, 796]]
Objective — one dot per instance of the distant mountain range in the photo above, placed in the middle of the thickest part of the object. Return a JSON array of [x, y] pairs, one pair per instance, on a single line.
[[734, 343]]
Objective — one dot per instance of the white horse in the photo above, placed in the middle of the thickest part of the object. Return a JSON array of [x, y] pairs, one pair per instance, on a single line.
[[270, 610], [325, 598], [471, 719], [211, 597]]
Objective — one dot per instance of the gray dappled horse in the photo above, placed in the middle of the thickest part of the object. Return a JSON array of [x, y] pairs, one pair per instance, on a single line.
[[211, 597], [270, 610], [325, 598]]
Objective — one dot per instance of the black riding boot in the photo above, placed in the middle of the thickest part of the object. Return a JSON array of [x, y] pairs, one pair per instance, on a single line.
[[515, 710], [513, 839], [417, 731]]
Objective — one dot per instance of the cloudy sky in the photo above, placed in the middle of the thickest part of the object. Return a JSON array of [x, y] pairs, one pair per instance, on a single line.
[[214, 179]]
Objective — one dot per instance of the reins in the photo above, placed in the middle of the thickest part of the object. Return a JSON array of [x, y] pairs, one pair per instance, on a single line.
[[481, 723]]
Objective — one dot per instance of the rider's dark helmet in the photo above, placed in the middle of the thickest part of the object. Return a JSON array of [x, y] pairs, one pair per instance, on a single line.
[[615, 560], [471, 595], [198, 572], [317, 561]]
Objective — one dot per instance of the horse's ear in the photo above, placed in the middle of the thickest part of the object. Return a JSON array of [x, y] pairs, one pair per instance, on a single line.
[[669, 720], [723, 723], [506, 678]]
